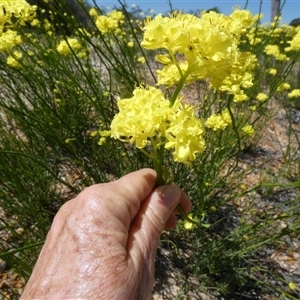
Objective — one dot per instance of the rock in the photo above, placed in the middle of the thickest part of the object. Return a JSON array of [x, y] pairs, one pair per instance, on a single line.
[[294, 116]]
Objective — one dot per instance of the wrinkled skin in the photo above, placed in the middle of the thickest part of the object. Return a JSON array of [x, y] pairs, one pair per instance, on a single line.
[[102, 244]]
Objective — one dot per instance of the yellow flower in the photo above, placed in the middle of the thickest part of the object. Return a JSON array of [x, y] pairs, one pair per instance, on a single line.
[[195, 47], [13, 12], [292, 286], [213, 208], [111, 22], [105, 133], [20, 10], [13, 61], [261, 97], [243, 186], [240, 20], [116, 15], [163, 58], [35, 22], [130, 44], [164, 32], [64, 47], [102, 141], [215, 122], [94, 133], [106, 24], [273, 50], [188, 225], [240, 97], [47, 25], [209, 46], [185, 135], [148, 114], [294, 93], [235, 74], [294, 43], [283, 86], [272, 71], [140, 117], [9, 39], [170, 74], [248, 129], [141, 59], [219, 121], [93, 13]]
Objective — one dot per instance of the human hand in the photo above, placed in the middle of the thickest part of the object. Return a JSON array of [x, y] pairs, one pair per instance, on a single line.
[[102, 244]]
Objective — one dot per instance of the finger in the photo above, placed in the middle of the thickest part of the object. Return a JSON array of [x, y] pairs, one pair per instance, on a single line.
[[154, 215], [185, 204], [137, 185], [171, 222], [132, 189]]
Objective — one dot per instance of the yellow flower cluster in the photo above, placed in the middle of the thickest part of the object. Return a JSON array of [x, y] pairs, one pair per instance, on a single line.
[[203, 47], [262, 97], [109, 23], [273, 50], [283, 87], [292, 286], [219, 121], [13, 60], [188, 225], [10, 12], [295, 42], [281, 40], [248, 129], [272, 71], [141, 59], [9, 39], [141, 116], [148, 115], [170, 74], [18, 9], [184, 134], [294, 93], [66, 47]]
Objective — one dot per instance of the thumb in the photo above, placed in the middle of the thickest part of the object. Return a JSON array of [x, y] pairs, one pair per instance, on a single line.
[[155, 212]]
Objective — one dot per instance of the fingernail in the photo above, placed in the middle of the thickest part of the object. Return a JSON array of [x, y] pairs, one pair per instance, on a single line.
[[171, 195]]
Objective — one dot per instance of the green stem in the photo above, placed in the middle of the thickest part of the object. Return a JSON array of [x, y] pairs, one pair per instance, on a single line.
[[185, 216], [175, 62], [158, 155], [147, 154], [179, 87], [230, 99], [21, 249], [158, 148], [158, 163]]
